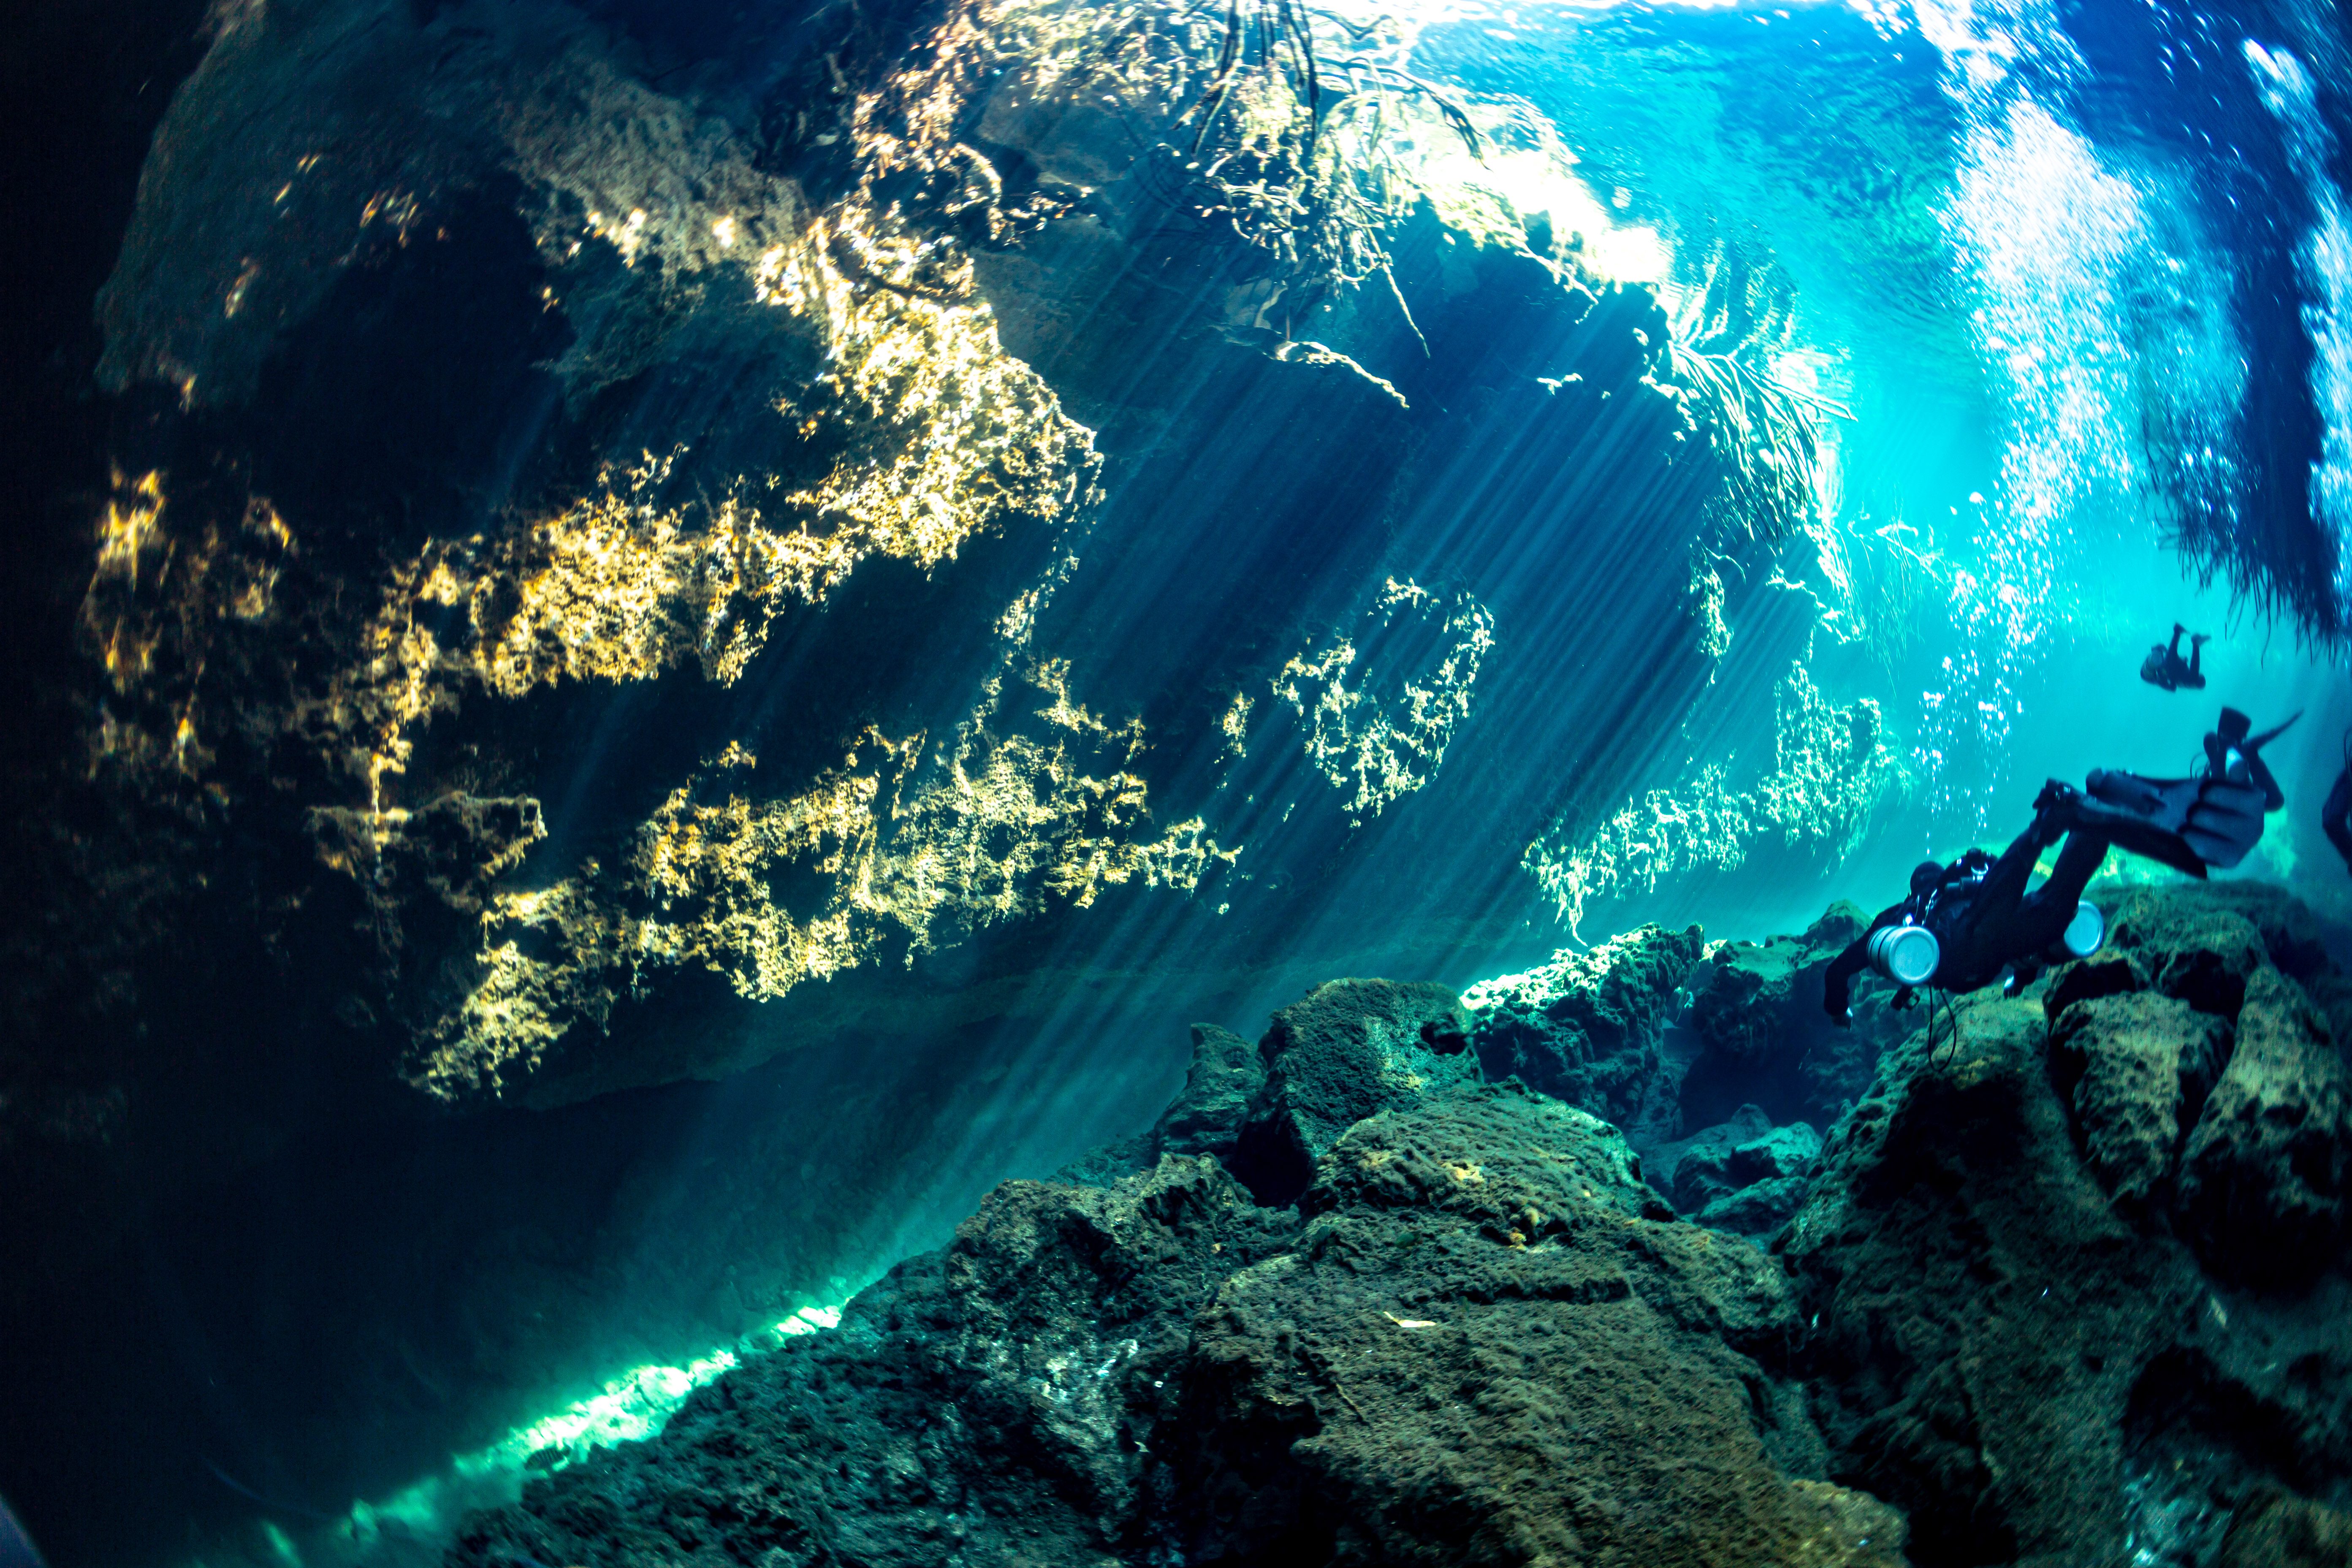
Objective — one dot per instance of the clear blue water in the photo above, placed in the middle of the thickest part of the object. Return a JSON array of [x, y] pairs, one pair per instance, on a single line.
[[2079, 276]]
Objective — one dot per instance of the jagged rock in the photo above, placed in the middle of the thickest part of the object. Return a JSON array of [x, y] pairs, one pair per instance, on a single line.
[[2154, 918], [1205, 1116], [1694, 1171], [1998, 1345], [2136, 1068], [2281, 1530], [2207, 962], [1713, 1167], [1584, 1027], [1754, 991], [2265, 1173], [1479, 1341], [1784, 1151], [1757, 1009], [1226, 1074], [1350, 1048], [985, 1400], [2110, 972], [1758, 1209], [1483, 1352]]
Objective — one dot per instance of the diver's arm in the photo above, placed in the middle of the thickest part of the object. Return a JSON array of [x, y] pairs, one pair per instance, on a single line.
[[1837, 985], [2336, 816]]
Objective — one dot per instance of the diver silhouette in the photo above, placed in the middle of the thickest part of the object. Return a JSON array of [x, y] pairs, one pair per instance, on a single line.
[[2164, 666], [1968, 921]]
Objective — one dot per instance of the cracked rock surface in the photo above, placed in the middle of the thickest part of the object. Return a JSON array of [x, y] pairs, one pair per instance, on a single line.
[[2005, 1328]]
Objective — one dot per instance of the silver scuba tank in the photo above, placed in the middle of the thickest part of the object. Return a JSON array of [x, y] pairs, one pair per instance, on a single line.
[[2086, 932], [1907, 955]]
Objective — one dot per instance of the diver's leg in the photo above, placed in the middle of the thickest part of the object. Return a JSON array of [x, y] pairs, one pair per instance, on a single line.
[[2172, 650], [2003, 888], [2196, 657], [2046, 911]]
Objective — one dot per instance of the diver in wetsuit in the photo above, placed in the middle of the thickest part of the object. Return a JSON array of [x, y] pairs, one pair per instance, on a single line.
[[2164, 666], [1966, 922]]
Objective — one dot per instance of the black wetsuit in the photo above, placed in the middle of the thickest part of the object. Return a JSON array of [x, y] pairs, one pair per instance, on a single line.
[[1983, 919], [2164, 666]]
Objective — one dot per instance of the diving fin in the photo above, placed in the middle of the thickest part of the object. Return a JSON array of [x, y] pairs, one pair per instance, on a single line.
[[2226, 822], [2252, 745], [2150, 817], [2186, 824]]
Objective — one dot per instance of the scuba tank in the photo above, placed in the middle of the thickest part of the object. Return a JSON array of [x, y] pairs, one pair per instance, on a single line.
[[2085, 934], [1906, 955]]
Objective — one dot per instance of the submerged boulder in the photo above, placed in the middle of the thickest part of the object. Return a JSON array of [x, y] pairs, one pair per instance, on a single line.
[[2136, 1068], [1756, 1011], [1477, 1339], [2268, 1167], [1755, 990], [1350, 1048], [1696, 1170], [1585, 1027], [1492, 1346], [2015, 1304], [1225, 1075], [2022, 1257]]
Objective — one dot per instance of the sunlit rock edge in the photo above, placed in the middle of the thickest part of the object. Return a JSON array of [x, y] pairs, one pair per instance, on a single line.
[[1977, 1315], [253, 674]]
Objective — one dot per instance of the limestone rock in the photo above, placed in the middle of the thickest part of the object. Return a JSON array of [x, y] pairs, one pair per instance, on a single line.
[[1783, 1153], [1984, 1311], [1226, 1074], [2030, 1369], [2156, 917], [1695, 1171], [1712, 1168], [984, 1400], [2138, 1068], [1482, 1353], [2107, 973], [1352, 1048], [1757, 1009], [1478, 1340], [1584, 1027], [1755, 990], [2280, 1531], [2265, 1173], [2202, 944], [1758, 1208]]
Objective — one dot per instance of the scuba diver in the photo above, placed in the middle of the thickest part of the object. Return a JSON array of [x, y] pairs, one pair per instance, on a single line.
[[2164, 666], [1966, 922], [2231, 752]]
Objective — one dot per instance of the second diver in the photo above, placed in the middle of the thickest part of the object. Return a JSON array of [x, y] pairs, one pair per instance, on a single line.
[[2164, 666]]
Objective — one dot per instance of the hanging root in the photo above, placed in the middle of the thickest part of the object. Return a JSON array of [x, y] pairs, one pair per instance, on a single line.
[[1766, 434]]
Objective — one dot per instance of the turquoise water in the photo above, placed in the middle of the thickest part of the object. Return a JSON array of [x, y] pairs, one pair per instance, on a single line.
[[2035, 250], [2069, 291]]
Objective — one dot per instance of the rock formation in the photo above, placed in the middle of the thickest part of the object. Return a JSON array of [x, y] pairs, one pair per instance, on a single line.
[[1757, 1010], [1478, 1338], [2009, 1310], [1586, 1026], [2067, 1298]]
